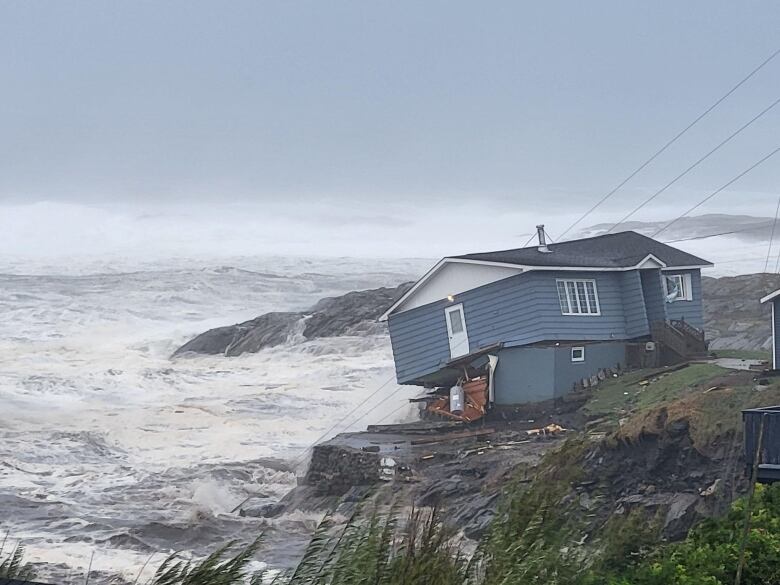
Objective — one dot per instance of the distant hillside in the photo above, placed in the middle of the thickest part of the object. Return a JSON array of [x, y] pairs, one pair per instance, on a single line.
[[733, 317], [749, 228]]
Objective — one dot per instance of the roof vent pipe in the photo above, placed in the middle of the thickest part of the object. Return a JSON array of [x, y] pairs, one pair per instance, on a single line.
[[542, 240]]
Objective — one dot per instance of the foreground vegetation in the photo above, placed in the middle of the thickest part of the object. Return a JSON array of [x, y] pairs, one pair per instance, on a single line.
[[12, 565], [526, 546]]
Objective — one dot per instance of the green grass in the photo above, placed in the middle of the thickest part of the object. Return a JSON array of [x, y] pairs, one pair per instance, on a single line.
[[618, 397], [743, 354]]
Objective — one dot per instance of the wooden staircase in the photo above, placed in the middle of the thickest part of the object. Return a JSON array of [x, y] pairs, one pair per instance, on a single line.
[[684, 341]]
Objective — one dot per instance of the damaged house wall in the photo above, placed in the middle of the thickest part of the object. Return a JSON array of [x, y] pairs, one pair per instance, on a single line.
[[691, 311], [522, 309]]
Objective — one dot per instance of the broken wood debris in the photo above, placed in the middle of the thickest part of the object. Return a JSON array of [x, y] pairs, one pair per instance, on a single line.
[[551, 429], [475, 392], [491, 446], [452, 437]]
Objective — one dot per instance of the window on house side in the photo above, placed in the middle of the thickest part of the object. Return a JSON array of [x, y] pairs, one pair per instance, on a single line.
[[456, 321], [678, 287], [578, 354], [578, 297]]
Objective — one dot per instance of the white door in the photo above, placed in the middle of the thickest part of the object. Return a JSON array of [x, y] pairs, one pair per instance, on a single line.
[[456, 330]]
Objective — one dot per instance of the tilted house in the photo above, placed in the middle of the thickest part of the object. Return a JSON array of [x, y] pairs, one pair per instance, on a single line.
[[550, 315]]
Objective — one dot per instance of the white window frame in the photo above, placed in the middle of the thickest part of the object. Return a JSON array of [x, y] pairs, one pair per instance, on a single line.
[[684, 287], [573, 295], [581, 350]]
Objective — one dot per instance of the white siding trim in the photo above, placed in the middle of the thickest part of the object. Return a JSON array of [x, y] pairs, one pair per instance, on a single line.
[[452, 279], [770, 296]]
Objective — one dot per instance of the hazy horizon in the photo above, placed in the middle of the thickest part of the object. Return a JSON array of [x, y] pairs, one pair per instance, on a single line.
[[354, 129]]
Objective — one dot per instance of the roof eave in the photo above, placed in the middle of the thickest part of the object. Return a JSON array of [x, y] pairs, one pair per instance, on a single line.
[[436, 267], [770, 296]]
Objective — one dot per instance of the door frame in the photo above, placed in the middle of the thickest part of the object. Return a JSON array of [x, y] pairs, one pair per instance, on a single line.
[[450, 334]]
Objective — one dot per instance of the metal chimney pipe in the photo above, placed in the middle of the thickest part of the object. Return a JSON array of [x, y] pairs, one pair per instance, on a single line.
[[542, 240]]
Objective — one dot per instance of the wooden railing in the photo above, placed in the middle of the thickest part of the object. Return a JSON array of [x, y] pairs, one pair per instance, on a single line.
[[683, 339], [667, 335], [687, 328]]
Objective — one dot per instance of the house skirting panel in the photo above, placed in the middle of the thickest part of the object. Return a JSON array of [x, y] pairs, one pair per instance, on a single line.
[[536, 374]]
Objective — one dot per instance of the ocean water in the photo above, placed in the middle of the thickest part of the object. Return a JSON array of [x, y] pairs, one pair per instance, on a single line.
[[112, 453]]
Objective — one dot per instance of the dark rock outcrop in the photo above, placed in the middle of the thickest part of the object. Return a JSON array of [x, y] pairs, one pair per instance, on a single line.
[[350, 314]]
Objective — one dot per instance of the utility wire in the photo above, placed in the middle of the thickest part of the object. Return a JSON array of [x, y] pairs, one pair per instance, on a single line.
[[697, 163], [302, 456], [772, 237], [670, 142], [777, 262], [704, 236], [711, 195]]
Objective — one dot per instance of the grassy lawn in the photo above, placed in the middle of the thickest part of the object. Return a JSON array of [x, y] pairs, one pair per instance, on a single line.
[[619, 396], [743, 354], [711, 398]]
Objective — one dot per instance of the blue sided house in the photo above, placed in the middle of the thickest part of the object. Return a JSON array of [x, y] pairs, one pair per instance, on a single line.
[[544, 319]]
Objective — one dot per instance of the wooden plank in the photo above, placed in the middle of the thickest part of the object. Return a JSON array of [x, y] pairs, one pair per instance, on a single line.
[[453, 437]]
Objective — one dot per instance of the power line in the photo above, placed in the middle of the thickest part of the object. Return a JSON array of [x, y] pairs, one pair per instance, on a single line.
[[748, 259], [302, 456], [670, 142], [529, 240], [711, 195], [384, 418], [697, 163], [777, 262], [704, 236], [772, 236]]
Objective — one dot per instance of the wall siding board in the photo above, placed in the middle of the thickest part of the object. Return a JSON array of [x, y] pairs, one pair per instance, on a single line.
[[652, 289], [692, 311], [522, 308], [634, 304]]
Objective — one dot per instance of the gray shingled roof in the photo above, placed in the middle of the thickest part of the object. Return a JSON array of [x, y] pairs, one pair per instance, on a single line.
[[620, 250]]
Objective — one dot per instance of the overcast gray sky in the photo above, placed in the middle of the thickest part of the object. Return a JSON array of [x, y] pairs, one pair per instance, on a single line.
[[378, 115]]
